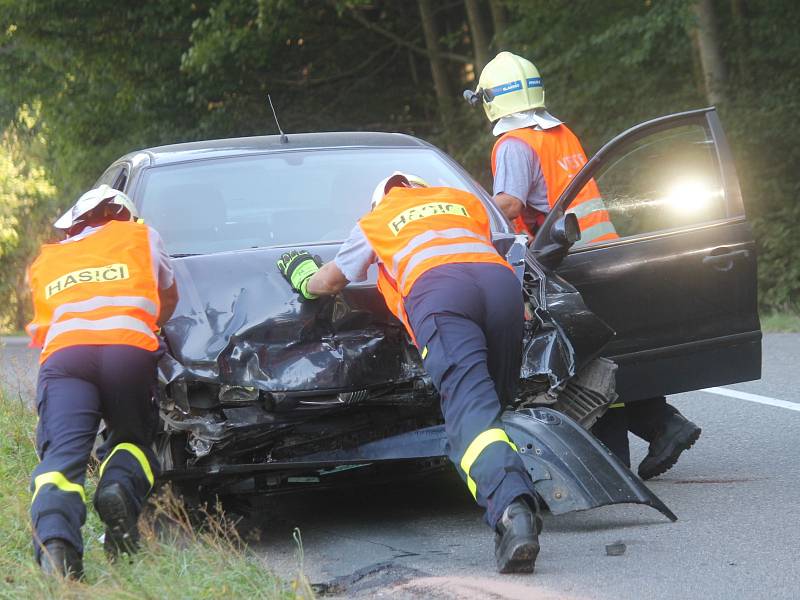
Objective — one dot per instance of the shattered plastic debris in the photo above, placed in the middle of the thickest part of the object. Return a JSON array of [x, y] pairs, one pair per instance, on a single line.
[[615, 549]]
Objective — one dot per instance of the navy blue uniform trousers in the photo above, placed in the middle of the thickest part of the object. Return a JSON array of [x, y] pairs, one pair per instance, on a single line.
[[468, 319], [642, 418], [77, 387]]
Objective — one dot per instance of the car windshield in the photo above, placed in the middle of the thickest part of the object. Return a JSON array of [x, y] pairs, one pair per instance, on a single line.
[[283, 198]]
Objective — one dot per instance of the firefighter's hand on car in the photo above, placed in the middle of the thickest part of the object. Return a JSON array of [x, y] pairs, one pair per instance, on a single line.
[[297, 267]]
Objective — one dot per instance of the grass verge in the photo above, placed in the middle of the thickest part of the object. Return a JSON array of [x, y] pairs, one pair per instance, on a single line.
[[780, 322], [176, 560], [13, 332]]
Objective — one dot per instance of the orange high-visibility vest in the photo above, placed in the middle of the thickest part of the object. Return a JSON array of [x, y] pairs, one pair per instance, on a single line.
[[561, 157], [98, 290], [416, 229]]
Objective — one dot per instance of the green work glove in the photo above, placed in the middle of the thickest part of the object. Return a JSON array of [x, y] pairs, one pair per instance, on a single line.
[[297, 267]]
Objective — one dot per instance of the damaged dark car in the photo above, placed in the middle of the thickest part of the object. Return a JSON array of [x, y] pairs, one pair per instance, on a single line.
[[261, 392]]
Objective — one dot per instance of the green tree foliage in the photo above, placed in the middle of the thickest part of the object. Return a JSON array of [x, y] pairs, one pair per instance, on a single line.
[[26, 206], [109, 77]]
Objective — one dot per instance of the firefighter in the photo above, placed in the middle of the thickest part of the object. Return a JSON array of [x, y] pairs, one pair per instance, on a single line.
[[535, 155], [99, 297], [533, 160], [462, 305]]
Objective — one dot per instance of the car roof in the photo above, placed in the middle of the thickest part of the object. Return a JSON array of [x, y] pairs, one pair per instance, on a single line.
[[175, 153]]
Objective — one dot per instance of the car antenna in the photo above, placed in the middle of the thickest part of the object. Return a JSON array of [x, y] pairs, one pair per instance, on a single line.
[[284, 139]]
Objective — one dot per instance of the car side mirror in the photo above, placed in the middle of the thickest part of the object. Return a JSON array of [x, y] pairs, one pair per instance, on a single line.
[[564, 233]]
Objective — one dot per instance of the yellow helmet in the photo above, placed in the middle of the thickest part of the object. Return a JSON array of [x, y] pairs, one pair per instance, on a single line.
[[508, 84]]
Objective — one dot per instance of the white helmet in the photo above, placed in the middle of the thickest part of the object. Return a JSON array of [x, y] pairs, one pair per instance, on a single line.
[[395, 179], [91, 200]]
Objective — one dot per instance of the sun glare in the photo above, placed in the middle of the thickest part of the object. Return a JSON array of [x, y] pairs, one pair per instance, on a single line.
[[690, 195]]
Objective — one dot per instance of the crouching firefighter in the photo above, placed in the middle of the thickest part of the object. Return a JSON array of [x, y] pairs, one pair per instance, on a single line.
[[460, 301], [99, 296]]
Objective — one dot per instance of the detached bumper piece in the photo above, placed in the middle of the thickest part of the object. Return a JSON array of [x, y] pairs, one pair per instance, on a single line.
[[570, 469]]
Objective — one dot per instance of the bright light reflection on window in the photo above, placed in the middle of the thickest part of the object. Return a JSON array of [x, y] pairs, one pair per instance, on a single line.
[[691, 195]]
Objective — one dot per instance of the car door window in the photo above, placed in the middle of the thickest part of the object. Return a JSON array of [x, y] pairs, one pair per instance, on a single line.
[[665, 180]]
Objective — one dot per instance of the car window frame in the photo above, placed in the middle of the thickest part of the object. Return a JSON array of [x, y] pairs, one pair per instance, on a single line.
[[118, 174], [705, 117]]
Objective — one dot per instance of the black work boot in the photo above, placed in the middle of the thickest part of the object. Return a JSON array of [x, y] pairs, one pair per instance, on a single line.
[[674, 435], [118, 513], [516, 543], [60, 558]]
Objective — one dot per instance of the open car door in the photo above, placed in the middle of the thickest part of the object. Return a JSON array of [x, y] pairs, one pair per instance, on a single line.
[[679, 284]]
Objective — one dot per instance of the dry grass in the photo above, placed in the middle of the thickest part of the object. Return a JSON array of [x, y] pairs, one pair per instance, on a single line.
[[178, 559]]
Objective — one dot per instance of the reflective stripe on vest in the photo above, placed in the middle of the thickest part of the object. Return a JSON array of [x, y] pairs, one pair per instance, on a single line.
[[107, 324], [96, 290], [597, 233], [451, 250], [424, 238], [102, 301], [561, 157], [584, 209]]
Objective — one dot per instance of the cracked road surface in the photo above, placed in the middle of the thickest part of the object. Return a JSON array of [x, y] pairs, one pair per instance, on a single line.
[[735, 494]]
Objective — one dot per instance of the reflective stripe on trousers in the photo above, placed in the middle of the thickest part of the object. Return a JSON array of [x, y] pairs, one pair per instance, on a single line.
[[57, 479], [119, 322], [443, 250], [476, 447], [137, 454]]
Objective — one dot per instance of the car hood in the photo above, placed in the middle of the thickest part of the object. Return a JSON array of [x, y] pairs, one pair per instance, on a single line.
[[238, 322]]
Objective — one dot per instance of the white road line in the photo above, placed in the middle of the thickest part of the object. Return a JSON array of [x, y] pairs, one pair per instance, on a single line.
[[753, 398]]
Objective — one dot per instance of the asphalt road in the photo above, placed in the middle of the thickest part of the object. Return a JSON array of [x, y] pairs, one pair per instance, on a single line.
[[735, 494]]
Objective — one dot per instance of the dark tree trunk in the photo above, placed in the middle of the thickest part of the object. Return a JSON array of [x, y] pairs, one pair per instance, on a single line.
[[441, 83], [741, 32], [708, 47], [480, 39], [499, 21]]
